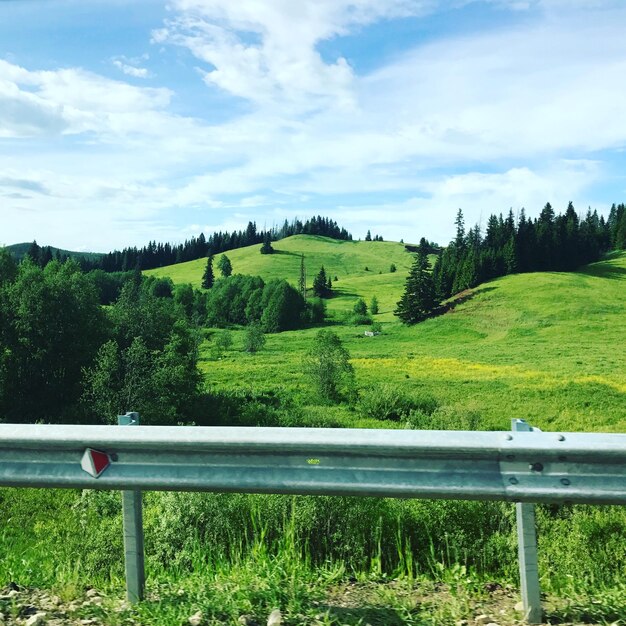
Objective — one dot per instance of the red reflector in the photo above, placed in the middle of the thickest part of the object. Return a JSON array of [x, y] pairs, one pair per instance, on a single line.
[[95, 462]]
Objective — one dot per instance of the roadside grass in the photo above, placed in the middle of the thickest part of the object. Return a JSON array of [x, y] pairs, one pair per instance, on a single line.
[[319, 560]]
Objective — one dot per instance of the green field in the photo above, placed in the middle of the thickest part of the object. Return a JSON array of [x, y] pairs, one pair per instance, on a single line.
[[544, 347]]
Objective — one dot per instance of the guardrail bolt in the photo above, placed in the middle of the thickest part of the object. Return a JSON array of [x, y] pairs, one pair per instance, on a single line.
[[561, 437], [536, 467], [565, 481], [513, 480]]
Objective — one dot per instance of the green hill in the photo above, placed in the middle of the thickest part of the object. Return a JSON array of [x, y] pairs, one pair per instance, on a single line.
[[346, 260]]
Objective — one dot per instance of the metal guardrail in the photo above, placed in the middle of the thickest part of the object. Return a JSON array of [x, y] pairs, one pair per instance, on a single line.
[[525, 465], [519, 466]]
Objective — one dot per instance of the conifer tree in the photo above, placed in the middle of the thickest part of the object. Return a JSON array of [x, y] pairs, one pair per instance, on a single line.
[[302, 279], [418, 299], [374, 306], [207, 278], [266, 248], [320, 283]]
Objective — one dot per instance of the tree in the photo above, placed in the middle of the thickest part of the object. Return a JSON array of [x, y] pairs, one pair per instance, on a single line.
[[320, 284], [459, 222], [225, 266], [360, 308], [162, 384], [266, 248], [302, 278], [368, 237], [207, 278], [254, 339], [418, 299], [51, 327], [327, 364], [282, 307], [8, 267], [34, 252], [392, 268], [374, 306]]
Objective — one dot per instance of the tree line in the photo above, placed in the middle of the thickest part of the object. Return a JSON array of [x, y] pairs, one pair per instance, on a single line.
[[161, 254], [550, 242]]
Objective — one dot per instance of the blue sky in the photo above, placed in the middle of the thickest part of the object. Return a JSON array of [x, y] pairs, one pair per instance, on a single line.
[[126, 121]]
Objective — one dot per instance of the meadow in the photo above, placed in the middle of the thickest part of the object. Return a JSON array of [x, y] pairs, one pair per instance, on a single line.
[[544, 347]]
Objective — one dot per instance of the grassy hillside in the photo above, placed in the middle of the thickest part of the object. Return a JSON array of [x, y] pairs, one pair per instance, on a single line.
[[345, 260], [545, 347]]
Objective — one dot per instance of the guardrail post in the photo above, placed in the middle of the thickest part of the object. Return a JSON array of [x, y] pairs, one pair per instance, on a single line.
[[527, 549], [133, 531]]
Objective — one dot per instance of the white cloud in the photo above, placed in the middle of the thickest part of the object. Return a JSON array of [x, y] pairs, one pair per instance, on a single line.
[[265, 51], [478, 194], [131, 70], [73, 101]]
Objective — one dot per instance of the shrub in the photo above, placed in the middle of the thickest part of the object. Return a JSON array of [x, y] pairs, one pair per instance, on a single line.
[[224, 340], [433, 417], [254, 339], [388, 402], [327, 364], [359, 320]]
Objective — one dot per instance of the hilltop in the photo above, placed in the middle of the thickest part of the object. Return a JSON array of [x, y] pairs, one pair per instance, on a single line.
[[362, 268]]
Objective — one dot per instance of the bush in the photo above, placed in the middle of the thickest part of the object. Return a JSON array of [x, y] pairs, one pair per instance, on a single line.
[[224, 340], [327, 364], [443, 418], [254, 339], [359, 320], [388, 402]]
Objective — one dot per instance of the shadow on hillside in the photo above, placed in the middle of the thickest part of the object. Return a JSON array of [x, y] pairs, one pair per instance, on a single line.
[[460, 298], [287, 252], [614, 272], [340, 293]]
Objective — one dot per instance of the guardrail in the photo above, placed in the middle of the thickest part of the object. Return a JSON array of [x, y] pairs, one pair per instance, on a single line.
[[522, 466]]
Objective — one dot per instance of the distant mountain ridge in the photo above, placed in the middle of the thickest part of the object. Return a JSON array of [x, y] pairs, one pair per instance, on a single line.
[[19, 251]]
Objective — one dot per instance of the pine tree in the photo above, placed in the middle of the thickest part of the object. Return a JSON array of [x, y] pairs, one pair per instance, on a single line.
[[320, 283], [302, 279], [418, 299], [266, 248], [368, 237], [207, 278], [374, 306]]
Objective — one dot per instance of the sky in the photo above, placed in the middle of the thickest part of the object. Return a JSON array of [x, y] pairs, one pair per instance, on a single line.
[[126, 121]]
